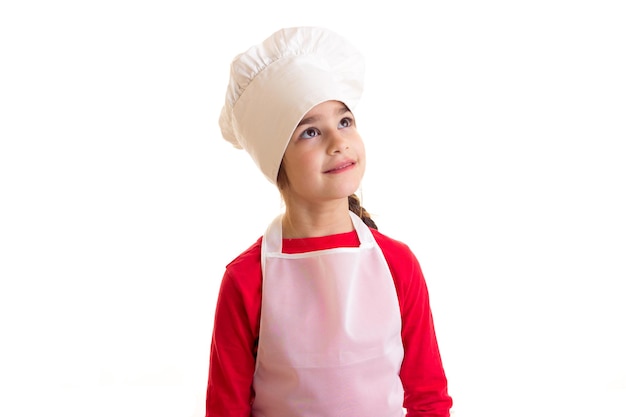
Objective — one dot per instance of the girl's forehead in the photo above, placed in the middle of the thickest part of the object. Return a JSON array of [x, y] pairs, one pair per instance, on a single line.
[[330, 106]]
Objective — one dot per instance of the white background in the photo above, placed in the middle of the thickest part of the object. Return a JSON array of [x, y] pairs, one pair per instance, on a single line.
[[495, 133]]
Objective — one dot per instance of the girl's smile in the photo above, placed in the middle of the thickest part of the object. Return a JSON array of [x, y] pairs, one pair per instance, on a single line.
[[341, 167]]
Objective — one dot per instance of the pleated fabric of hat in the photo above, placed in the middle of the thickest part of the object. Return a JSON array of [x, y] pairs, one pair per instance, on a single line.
[[275, 83]]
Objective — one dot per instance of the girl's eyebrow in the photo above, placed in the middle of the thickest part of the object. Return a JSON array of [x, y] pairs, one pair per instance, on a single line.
[[307, 120]]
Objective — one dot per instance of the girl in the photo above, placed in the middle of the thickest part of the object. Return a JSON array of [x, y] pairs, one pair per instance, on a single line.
[[323, 315]]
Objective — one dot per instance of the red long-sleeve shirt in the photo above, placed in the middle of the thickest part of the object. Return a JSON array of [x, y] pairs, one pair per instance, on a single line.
[[237, 318]]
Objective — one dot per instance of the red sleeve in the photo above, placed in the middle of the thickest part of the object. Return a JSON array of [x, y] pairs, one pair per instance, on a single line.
[[235, 336], [422, 374]]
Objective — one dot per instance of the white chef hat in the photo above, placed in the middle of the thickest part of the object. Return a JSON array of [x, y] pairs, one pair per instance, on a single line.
[[275, 83]]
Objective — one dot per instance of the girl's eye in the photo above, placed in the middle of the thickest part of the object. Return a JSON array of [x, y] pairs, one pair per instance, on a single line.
[[345, 122], [309, 133]]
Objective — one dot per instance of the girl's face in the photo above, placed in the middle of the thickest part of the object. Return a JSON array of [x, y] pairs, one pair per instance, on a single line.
[[325, 158]]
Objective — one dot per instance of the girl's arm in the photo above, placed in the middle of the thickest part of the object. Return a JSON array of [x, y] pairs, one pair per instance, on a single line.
[[233, 350], [422, 373]]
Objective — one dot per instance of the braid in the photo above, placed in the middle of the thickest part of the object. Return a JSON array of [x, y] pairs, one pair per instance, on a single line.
[[355, 206]]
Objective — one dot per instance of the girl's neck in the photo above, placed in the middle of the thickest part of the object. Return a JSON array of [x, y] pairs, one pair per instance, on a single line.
[[325, 220]]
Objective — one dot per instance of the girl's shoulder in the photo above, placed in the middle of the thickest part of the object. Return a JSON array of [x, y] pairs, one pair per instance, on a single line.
[[392, 248], [403, 264], [249, 259]]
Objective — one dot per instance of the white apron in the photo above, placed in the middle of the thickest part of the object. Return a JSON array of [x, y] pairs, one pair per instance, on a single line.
[[329, 339]]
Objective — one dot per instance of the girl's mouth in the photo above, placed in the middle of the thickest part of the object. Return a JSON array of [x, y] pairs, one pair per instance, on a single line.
[[344, 166]]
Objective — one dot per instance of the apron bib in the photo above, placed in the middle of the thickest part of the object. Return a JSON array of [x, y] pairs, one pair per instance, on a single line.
[[329, 337]]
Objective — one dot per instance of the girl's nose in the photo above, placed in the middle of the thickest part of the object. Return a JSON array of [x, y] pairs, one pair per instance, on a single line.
[[337, 143]]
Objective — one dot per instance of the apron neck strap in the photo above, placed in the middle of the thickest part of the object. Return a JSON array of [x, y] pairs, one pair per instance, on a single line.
[[273, 238]]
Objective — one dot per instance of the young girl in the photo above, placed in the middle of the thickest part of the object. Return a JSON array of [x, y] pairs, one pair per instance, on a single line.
[[323, 316]]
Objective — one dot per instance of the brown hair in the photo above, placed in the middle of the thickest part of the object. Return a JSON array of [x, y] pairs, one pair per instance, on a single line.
[[354, 203], [355, 206]]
